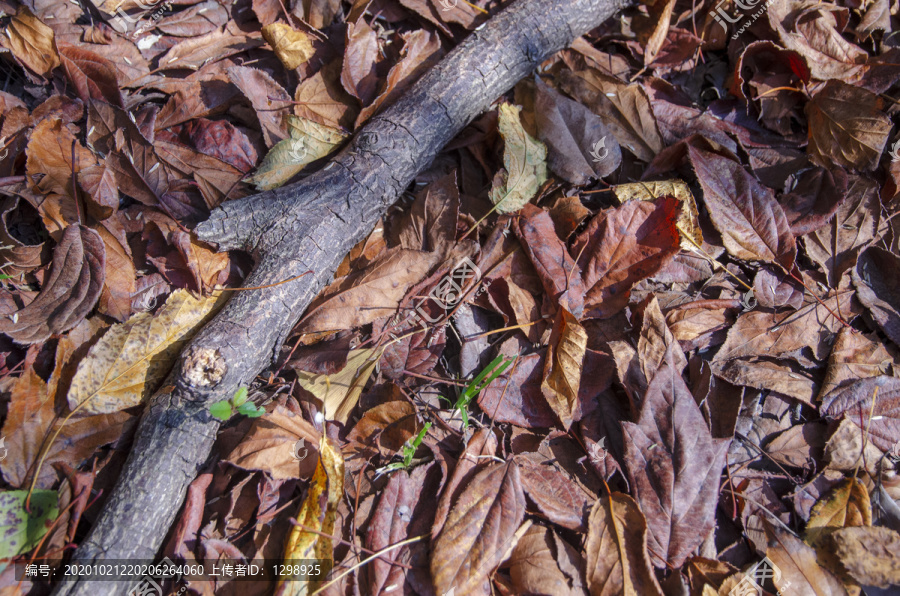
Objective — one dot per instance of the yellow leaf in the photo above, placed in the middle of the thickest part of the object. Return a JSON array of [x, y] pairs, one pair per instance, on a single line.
[[124, 367], [292, 47], [317, 512], [844, 506], [308, 142], [524, 161], [562, 367], [340, 391], [33, 42], [688, 223]]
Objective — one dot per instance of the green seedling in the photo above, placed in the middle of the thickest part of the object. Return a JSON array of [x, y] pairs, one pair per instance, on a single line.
[[493, 370], [407, 451], [225, 409]]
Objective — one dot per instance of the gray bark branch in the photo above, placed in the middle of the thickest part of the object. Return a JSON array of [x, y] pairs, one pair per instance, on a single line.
[[308, 226]]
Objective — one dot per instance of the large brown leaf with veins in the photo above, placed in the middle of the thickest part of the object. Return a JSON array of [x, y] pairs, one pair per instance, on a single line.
[[674, 465], [69, 292]]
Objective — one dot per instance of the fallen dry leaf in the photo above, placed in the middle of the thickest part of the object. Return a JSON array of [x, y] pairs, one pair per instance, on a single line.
[[69, 292], [272, 444], [340, 391], [292, 47], [124, 367], [524, 163], [563, 366], [868, 554], [32, 42]]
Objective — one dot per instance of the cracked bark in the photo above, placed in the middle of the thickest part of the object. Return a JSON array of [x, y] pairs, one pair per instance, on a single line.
[[308, 226]]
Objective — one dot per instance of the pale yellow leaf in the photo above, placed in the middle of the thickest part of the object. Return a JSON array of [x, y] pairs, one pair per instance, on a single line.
[[308, 142], [688, 222], [524, 161], [317, 512], [340, 391], [124, 367], [292, 47]]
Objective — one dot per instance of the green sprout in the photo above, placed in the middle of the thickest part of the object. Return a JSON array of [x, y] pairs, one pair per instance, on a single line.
[[493, 370], [407, 452], [223, 410]]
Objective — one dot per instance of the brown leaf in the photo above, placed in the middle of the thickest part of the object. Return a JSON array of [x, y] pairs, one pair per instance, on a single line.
[[880, 420], [32, 42], [101, 193], [194, 52], [836, 246], [93, 76], [752, 223], [516, 397], [868, 554], [548, 254], [480, 446], [688, 222], [367, 295], [625, 109], [478, 531], [783, 334], [563, 367], [28, 419], [855, 356], [674, 465], [272, 446], [616, 549], [119, 284], [197, 20], [268, 98], [786, 379], [797, 565], [622, 246], [579, 146], [800, 446], [556, 495], [844, 449], [539, 563], [358, 73], [68, 293], [421, 50], [430, 224], [878, 288], [322, 99], [847, 126], [814, 199]]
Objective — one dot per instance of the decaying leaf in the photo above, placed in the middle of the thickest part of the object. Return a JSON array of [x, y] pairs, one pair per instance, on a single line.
[[275, 445], [32, 42], [69, 292], [317, 512], [340, 391], [124, 367], [845, 506], [479, 530], [308, 142], [873, 404], [797, 564], [563, 366], [688, 222], [524, 163], [616, 547], [868, 554], [21, 531]]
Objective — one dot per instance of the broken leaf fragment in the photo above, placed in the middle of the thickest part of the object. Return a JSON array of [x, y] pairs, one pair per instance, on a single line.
[[524, 161], [688, 222], [21, 531], [292, 47], [124, 367], [308, 142]]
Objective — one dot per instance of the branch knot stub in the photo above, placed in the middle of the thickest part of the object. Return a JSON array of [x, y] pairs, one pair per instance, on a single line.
[[203, 368]]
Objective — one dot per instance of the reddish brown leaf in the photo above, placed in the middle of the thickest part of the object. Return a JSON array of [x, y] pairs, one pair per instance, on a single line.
[[556, 495], [272, 446], [881, 420], [752, 223], [563, 367], [797, 564], [622, 246], [543, 563], [674, 466], [479, 529], [516, 397], [93, 76], [878, 288], [358, 73]]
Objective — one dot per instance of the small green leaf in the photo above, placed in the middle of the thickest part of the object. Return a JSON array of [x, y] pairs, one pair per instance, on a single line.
[[251, 410], [21, 531], [221, 410], [240, 396]]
